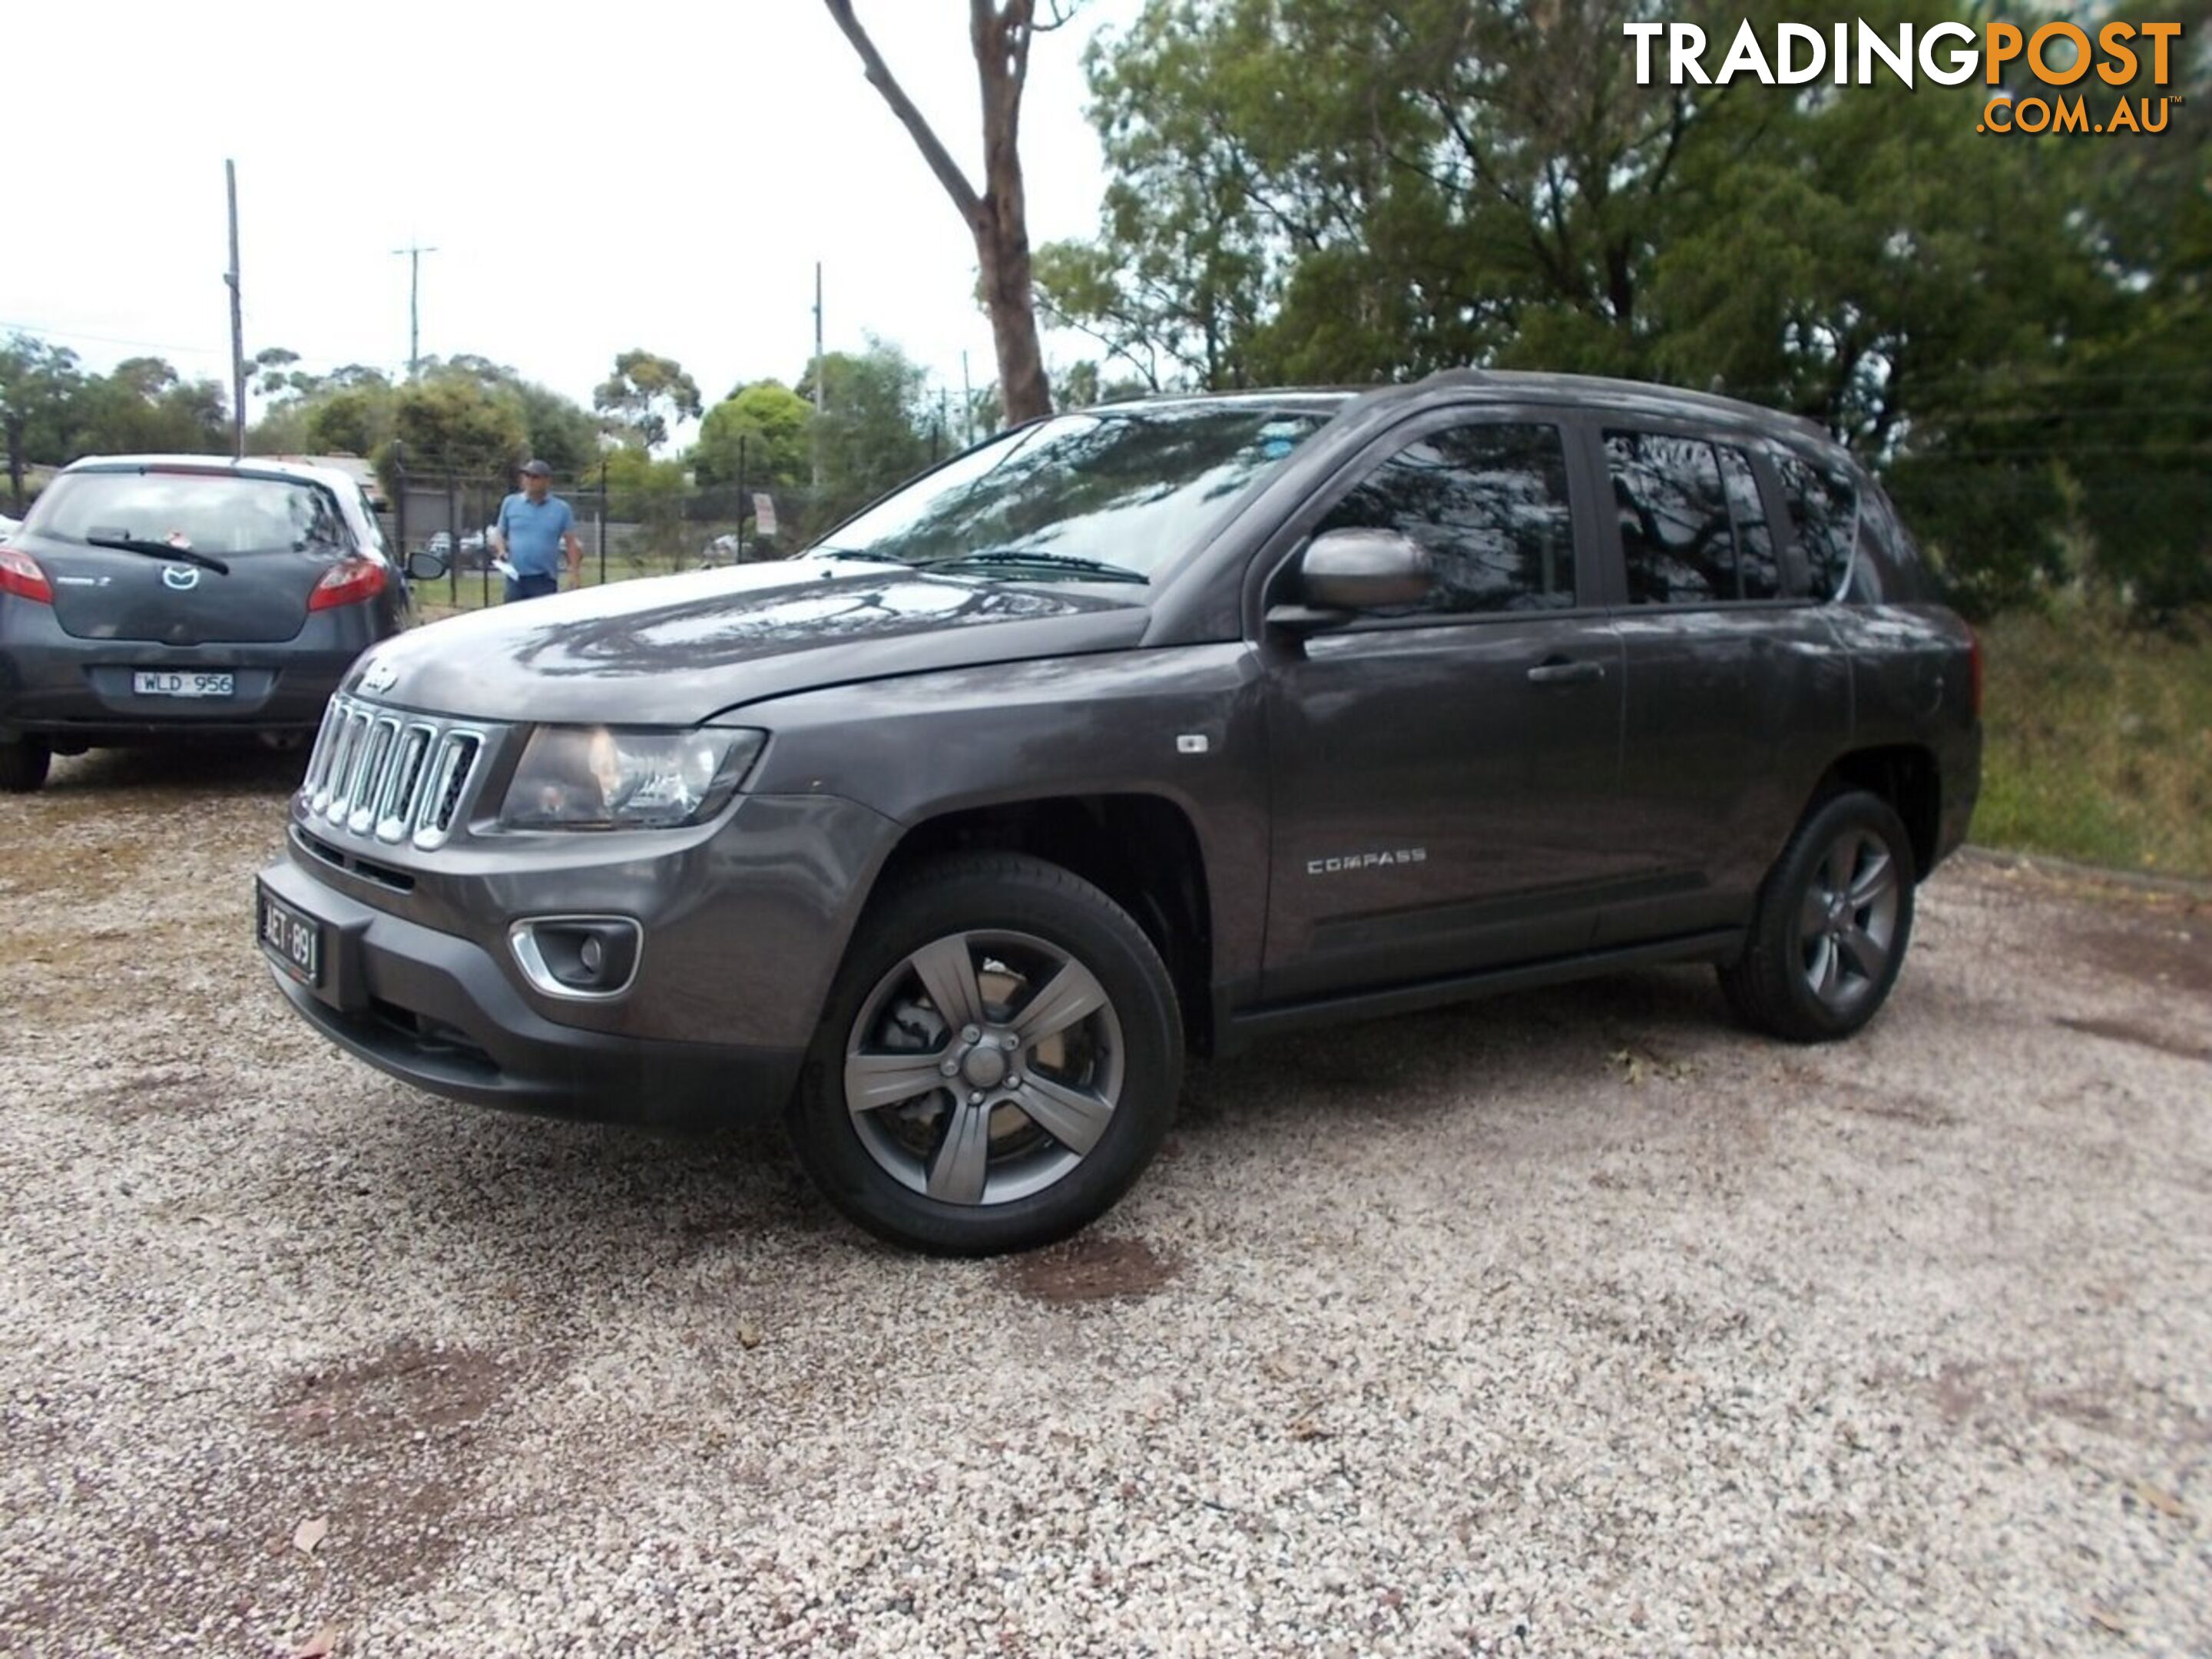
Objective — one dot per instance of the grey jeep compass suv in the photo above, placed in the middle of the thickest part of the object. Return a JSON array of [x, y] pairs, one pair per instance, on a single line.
[[1149, 729]]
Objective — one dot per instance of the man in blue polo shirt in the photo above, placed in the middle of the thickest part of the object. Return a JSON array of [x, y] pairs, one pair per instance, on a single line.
[[534, 527]]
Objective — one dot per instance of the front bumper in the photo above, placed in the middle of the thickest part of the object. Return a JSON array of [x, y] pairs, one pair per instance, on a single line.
[[439, 1012]]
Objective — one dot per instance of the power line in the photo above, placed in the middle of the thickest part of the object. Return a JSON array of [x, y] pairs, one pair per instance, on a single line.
[[46, 332], [61, 336]]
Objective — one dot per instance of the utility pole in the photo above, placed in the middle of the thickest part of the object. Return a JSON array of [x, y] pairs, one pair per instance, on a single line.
[[413, 254], [968, 394], [821, 401], [237, 323]]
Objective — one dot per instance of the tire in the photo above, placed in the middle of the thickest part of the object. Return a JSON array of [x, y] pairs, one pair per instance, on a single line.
[[24, 763], [1819, 962], [1109, 1035]]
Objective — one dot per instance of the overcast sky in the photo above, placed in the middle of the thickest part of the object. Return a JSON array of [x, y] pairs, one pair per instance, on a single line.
[[654, 175]]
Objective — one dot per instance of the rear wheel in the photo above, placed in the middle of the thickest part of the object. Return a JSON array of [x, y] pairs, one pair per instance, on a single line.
[[1829, 930], [998, 1060], [24, 763]]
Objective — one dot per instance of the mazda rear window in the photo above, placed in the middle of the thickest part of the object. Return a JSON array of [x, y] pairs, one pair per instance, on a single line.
[[217, 513]]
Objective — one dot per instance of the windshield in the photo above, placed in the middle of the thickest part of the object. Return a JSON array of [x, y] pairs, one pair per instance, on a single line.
[[203, 512], [1130, 489]]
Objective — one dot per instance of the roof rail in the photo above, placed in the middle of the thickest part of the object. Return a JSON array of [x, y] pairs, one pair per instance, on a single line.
[[1513, 380]]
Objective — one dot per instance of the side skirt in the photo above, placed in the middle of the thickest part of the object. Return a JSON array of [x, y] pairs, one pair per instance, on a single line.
[[1240, 1029]]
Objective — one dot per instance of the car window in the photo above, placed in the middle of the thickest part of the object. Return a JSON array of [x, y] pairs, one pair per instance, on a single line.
[[1758, 575], [1677, 535], [1823, 507], [1131, 488], [218, 513], [1489, 502]]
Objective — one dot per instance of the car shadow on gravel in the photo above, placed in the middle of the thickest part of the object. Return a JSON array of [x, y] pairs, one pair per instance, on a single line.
[[1420, 1062], [520, 1192], [212, 766]]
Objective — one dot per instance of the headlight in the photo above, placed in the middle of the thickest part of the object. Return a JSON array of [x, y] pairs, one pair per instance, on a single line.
[[601, 777]]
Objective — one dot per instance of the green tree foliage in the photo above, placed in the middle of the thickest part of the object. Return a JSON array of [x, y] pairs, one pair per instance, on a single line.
[[874, 431], [356, 410], [559, 431], [651, 495], [452, 426], [143, 406], [41, 391], [351, 420], [1314, 191], [774, 424], [645, 393]]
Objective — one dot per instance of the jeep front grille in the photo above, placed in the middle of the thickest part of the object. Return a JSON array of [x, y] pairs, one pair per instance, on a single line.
[[395, 776]]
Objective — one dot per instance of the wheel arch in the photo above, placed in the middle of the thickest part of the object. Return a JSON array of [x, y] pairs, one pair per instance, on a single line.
[[1905, 774], [1140, 848]]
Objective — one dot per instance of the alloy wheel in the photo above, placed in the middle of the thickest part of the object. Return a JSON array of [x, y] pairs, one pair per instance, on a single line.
[[984, 1067], [1847, 922]]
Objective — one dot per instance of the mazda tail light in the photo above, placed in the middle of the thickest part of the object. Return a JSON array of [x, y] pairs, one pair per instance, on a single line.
[[20, 574], [348, 582]]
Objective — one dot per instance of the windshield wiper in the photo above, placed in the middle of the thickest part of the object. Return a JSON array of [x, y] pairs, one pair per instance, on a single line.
[[158, 550], [1021, 558], [859, 553]]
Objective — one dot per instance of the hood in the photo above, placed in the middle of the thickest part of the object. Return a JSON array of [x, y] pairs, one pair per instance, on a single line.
[[673, 650]]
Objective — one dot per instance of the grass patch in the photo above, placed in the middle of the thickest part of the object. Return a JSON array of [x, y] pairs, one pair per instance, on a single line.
[[2098, 740]]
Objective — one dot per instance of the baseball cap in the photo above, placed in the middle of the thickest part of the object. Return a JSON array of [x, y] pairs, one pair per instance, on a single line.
[[536, 469]]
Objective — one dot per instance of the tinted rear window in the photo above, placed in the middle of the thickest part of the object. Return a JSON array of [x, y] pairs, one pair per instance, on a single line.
[[1823, 507], [208, 513], [1757, 571], [1675, 529]]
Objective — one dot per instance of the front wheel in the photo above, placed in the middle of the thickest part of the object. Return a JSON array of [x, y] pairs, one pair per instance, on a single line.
[[1829, 932], [998, 1060], [24, 763]]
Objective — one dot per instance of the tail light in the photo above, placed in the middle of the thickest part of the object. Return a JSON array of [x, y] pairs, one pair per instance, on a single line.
[[20, 574], [348, 582], [1974, 670]]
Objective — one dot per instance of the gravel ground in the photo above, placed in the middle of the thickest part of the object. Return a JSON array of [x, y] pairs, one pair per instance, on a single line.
[[1572, 1323]]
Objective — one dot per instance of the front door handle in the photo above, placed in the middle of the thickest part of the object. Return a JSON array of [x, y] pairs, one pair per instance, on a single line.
[[1556, 671]]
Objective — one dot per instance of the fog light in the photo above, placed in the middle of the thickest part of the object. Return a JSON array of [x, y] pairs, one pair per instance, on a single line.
[[584, 956]]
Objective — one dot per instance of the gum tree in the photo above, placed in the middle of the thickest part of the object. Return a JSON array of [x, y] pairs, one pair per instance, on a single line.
[[997, 215]]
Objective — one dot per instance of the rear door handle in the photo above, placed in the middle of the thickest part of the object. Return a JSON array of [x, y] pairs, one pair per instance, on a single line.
[[1558, 671]]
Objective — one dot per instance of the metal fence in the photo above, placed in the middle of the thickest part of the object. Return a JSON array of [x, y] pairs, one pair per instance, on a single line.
[[625, 532]]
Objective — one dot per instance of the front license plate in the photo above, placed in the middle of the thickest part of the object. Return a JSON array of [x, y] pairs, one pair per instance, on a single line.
[[165, 683], [294, 942]]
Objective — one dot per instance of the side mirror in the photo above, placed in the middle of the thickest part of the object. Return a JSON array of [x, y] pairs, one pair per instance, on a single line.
[[1347, 570], [424, 566]]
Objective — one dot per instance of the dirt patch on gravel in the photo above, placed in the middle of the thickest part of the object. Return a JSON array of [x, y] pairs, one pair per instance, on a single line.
[[1091, 1269], [156, 1091], [2168, 951], [402, 1389], [2142, 1035]]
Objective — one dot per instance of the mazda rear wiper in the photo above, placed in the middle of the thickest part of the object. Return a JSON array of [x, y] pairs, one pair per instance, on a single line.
[[158, 550], [1016, 558]]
